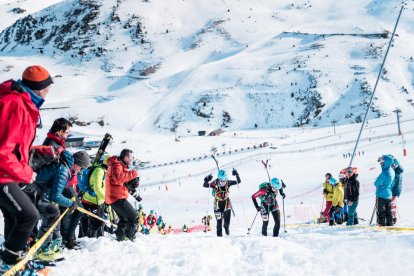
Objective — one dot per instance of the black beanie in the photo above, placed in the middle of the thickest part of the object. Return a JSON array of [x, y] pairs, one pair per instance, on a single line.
[[82, 159]]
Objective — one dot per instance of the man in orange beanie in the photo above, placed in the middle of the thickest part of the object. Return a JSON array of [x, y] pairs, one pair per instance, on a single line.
[[19, 114]]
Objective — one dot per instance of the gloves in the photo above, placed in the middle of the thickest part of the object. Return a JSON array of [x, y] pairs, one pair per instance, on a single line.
[[74, 205], [258, 208], [234, 172], [283, 184], [283, 195], [208, 178]]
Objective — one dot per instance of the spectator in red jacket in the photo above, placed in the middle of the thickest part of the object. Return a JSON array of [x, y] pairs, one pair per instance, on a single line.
[[117, 177], [19, 114]]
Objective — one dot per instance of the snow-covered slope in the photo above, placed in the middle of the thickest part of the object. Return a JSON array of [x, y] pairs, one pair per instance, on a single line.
[[191, 66]]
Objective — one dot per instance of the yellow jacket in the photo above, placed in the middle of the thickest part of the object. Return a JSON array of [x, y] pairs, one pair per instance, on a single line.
[[97, 183], [327, 186], [338, 195]]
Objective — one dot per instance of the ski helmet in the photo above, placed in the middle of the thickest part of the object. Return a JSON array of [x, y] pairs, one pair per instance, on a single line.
[[275, 182], [151, 212], [222, 175], [333, 181]]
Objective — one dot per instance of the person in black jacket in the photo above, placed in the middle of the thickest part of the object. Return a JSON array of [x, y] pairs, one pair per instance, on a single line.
[[351, 195], [222, 204], [58, 133]]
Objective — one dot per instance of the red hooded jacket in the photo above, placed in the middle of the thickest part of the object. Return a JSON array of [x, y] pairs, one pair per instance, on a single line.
[[116, 175], [18, 117]]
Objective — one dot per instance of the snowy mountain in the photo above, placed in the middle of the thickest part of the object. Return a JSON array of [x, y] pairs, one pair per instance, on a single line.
[[232, 65]]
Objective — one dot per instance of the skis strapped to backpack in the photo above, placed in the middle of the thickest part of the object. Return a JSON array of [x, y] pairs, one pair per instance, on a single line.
[[101, 150], [84, 177]]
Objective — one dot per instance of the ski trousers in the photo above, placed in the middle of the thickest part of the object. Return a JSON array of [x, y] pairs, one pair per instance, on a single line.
[[49, 213], [71, 221], [128, 219], [222, 213], [327, 210], [20, 217], [92, 227], [264, 212], [384, 212], [352, 214]]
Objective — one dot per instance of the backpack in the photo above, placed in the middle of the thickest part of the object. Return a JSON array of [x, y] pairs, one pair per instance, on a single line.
[[84, 181], [265, 185], [40, 156]]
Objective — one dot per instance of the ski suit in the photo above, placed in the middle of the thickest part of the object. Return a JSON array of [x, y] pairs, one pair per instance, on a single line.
[[222, 204], [269, 205]]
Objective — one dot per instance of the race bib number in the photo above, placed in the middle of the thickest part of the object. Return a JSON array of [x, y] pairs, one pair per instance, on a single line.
[[218, 215]]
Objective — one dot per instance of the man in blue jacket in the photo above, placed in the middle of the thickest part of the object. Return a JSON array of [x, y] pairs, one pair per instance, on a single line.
[[50, 183], [383, 185], [396, 188]]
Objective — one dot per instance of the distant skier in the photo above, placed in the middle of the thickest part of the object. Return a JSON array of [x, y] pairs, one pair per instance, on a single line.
[[352, 194], [151, 220], [328, 194], [222, 204], [396, 188], [267, 194], [337, 202], [383, 193], [206, 220]]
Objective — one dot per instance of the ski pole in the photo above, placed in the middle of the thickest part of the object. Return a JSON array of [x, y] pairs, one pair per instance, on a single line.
[[373, 212], [248, 230], [284, 217], [80, 209]]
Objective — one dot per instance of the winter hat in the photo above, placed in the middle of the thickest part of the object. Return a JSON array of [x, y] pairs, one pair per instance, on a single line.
[[333, 181], [82, 159], [36, 77], [222, 175]]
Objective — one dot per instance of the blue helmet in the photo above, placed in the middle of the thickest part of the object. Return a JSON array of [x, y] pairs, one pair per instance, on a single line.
[[275, 182], [222, 175]]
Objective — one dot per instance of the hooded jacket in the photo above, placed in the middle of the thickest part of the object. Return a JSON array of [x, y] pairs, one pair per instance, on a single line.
[[384, 181], [116, 176], [18, 117], [397, 183]]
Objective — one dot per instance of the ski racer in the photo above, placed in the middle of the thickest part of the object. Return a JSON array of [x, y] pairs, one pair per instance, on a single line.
[[222, 205], [267, 194]]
